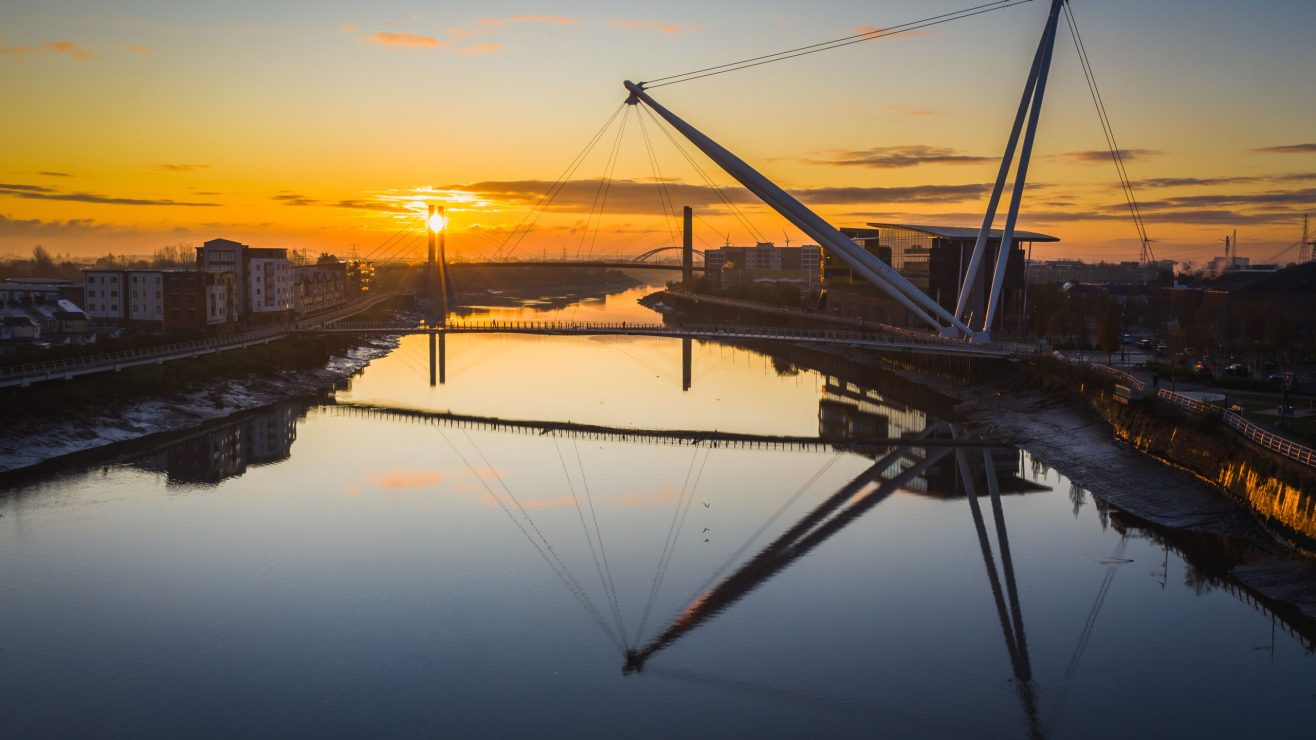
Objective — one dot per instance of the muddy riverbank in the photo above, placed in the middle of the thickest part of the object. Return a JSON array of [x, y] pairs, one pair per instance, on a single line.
[[1067, 432], [50, 420]]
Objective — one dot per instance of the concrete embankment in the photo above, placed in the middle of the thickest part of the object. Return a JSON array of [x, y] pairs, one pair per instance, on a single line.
[[1281, 492]]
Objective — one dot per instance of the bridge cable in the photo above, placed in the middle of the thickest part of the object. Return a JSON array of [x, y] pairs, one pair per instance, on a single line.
[[717, 574], [589, 537], [674, 534], [405, 229], [1115, 152], [555, 563], [400, 249], [707, 180], [601, 194], [1112, 566], [598, 534], [664, 196], [833, 44], [558, 185]]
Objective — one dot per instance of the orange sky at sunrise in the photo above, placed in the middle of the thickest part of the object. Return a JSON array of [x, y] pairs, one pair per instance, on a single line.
[[329, 127]]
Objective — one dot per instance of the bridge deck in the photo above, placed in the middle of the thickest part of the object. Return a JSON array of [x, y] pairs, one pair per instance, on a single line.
[[615, 264], [910, 342]]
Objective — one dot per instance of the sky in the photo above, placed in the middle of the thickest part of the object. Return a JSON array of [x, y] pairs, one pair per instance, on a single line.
[[328, 126]]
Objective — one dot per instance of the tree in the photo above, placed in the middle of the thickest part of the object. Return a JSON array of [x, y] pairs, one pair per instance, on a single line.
[[1110, 332], [174, 255], [41, 259]]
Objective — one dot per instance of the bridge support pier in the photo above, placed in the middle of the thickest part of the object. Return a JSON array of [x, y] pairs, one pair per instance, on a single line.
[[686, 362], [439, 361], [687, 249], [433, 364]]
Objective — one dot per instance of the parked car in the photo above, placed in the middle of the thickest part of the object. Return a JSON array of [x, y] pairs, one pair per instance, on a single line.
[[1146, 344], [1237, 370], [1204, 367]]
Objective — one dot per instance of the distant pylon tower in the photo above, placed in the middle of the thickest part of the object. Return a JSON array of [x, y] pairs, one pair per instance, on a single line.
[[1307, 251]]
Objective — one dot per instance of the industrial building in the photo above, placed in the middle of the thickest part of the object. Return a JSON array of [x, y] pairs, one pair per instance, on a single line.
[[764, 263], [935, 259]]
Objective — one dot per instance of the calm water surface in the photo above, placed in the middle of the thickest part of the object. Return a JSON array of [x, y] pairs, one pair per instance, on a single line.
[[339, 570]]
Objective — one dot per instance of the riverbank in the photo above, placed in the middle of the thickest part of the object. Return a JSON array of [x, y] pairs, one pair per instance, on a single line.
[[51, 420], [1071, 434], [1061, 428]]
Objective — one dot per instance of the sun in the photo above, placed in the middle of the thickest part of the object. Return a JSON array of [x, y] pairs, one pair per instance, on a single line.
[[437, 222]]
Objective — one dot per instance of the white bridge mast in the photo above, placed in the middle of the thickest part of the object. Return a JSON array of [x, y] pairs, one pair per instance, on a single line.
[[867, 265]]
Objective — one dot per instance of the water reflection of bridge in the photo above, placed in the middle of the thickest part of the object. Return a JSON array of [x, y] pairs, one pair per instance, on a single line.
[[938, 460], [868, 444]]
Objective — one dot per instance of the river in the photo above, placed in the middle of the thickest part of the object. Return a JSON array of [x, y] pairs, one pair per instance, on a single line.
[[397, 561]]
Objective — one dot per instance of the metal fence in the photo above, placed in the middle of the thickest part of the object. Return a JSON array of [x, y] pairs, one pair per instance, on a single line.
[[1188, 403], [1254, 433], [1271, 441]]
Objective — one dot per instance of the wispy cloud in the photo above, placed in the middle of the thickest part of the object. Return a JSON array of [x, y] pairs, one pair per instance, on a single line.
[[69, 48], [404, 40], [37, 192], [1102, 156], [295, 199], [15, 52], [1294, 198], [138, 50], [1194, 182], [1288, 149], [37, 227], [48, 173], [347, 28], [911, 194], [635, 196], [895, 157], [168, 167], [645, 23], [372, 205]]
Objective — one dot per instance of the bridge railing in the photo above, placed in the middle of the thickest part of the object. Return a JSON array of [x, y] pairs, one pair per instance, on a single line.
[[1254, 433], [1188, 403], [708, 330], [1123, 377]]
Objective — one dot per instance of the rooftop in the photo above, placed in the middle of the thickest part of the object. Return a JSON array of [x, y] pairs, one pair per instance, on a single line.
[[960, 232]]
